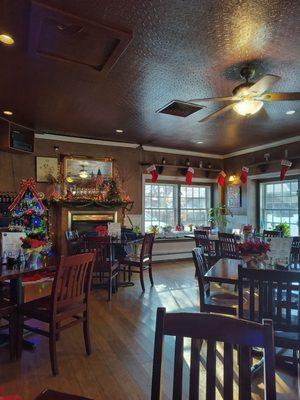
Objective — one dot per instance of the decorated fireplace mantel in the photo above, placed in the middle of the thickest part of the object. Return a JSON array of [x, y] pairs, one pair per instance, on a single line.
[[62, 211]]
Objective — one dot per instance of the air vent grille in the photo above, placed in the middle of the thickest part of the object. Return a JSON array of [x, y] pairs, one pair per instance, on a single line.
[[180, 108]]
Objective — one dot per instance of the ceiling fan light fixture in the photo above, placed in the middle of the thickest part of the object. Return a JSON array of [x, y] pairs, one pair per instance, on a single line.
[[248, 107]]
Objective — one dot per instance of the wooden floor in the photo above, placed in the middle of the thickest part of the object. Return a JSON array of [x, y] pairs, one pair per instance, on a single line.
[[122, 334]]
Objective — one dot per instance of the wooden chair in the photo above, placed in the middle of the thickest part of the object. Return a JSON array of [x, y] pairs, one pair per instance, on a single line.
[[142, 262], [276, 295], [228, 246], [69, 300], [295, 250], [213, 328], [54, 395], [8, 312], [221, 301], [105, 265], [271, 234], [208, 246]]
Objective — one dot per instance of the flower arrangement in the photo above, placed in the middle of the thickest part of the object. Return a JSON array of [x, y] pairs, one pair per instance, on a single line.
[[247, 229], [253, 247], [9, 397], [28, 243]]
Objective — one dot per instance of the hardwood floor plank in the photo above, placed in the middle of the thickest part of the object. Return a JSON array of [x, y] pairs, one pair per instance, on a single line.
[[122, 334]]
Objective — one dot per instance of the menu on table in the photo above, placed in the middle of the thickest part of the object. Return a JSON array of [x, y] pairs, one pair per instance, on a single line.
[[280, 248]]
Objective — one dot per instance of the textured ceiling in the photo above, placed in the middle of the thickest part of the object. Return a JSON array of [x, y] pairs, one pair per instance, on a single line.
[[180, 49]]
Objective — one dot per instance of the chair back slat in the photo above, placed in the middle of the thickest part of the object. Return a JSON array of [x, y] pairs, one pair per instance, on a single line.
[[228, 246], [295, 250], [102, 247], [208, 246], [271, 234], [244, 355], [178, 368], [72, 282], [147, 246], [228, 372], [211, 370], [202, 239], [194, 369], [276, 295], [212, 328], [201, 269]]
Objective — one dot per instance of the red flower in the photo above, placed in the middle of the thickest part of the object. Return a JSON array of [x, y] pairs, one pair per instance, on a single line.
[[253, 247]]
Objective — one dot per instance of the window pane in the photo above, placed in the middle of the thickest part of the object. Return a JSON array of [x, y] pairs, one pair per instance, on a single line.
[[279, 204], [159, 205], [194, 205]]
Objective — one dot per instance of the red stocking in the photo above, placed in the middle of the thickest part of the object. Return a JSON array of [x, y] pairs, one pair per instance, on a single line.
[[189, 175], [244, 174], [285, 165], [221, 178], [154, 175]]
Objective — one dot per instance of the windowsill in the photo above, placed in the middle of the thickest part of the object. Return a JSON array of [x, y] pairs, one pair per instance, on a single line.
[[173, 239]]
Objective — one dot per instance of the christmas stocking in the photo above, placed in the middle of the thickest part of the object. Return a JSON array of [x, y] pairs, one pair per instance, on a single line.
[[189, 175], [154, 175], [221, 178], [285, 165], [244, 174]]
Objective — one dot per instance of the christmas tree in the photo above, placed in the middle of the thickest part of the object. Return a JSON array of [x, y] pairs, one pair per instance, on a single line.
[[28, 215]]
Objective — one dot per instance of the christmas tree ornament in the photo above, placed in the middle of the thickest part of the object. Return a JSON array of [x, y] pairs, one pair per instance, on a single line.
[[221, 178], [285, 166], [244, 174], [189, 175], [154, 174]]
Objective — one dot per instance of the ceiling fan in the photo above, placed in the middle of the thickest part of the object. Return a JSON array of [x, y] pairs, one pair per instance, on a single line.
[[248, 97]]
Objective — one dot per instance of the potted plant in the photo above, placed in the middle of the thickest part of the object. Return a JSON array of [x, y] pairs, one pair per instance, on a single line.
[[217, 216], [284, 228]]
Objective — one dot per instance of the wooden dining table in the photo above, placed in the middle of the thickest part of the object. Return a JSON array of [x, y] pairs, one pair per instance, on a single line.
[[225, 270], [14, 274]]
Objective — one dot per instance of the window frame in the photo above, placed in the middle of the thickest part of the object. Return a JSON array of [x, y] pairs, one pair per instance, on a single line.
[[210, 185], [260, 208]]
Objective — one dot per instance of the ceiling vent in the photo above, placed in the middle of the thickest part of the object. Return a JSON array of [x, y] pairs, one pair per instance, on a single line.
[[180, 108], [69, 38]]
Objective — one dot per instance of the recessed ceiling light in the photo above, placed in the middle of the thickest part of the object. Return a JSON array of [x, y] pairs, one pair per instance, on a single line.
[[290, 112], [7, 112], [119, 131], [199, 142], [6, 39]]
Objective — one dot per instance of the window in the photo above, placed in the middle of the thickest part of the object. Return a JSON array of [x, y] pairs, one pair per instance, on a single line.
[[163, 202], [160, 205], [194, 205], [280, 203]]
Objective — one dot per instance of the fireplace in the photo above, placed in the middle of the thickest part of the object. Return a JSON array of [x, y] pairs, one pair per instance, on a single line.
[[86, 221]]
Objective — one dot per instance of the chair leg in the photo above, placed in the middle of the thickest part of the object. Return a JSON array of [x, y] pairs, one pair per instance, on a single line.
[[150, 275], [142, 278], [13, 337], [116, 282], [57, 331], [52, 349], [19, 319], [109, 287], [86, 334]]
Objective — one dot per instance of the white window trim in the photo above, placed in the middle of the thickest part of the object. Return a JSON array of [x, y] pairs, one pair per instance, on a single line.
[[171, 179]]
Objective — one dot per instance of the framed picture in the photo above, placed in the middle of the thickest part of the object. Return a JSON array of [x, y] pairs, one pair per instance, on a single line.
[[78, 169], [46, 166], [234, 196]]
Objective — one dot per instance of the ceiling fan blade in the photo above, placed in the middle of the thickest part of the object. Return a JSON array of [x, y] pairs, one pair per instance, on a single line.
[[291, 96], [263, 84], [215, 99], [215, 114]]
